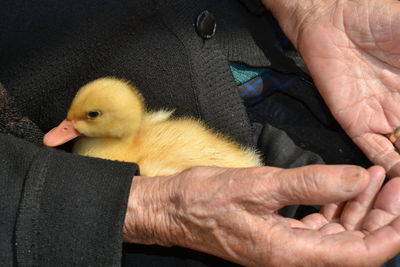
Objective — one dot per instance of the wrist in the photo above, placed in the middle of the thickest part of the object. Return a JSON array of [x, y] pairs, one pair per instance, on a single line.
[[149, 215], [294, 16]]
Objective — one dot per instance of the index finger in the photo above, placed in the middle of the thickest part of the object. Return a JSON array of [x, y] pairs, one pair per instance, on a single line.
[[381, 151]]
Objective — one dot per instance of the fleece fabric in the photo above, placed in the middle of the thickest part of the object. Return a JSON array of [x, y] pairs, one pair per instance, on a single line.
[[60, 209]]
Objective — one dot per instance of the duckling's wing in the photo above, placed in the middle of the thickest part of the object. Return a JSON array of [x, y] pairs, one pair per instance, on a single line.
[[158, 116]]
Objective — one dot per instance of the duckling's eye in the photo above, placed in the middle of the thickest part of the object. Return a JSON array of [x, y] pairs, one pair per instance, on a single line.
[[93, 114]]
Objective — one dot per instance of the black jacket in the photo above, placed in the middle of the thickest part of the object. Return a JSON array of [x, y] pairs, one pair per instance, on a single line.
[[62, 209]]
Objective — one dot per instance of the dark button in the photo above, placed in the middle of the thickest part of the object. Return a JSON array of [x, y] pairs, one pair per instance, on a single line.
[[206, 24]]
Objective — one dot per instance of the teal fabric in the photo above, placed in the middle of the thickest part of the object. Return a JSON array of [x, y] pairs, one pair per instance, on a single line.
[[243, 73]]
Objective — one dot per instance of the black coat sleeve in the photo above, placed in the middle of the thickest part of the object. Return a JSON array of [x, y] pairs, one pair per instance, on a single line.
[[57, 208]]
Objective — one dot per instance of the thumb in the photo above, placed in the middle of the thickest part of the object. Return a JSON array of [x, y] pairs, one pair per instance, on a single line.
[[318, 184]]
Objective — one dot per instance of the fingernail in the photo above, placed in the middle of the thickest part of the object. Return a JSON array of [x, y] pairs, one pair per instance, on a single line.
[[352, 178]]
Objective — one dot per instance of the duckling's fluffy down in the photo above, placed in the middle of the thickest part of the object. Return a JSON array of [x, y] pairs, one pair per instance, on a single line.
[[159, 143]]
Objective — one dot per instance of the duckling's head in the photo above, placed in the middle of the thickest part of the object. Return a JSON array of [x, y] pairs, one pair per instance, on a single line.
[[106, 107]]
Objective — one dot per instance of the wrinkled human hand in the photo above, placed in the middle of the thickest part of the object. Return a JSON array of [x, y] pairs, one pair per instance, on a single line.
[[232, 214], [352, 49]]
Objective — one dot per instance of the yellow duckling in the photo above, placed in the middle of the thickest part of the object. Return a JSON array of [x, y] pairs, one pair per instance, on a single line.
[[110, 118]]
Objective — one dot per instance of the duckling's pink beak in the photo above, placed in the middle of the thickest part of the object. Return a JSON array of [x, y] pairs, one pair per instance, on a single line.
[[61, 134]]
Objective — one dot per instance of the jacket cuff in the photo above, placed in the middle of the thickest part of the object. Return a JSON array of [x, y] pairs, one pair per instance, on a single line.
[[72, 210]]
